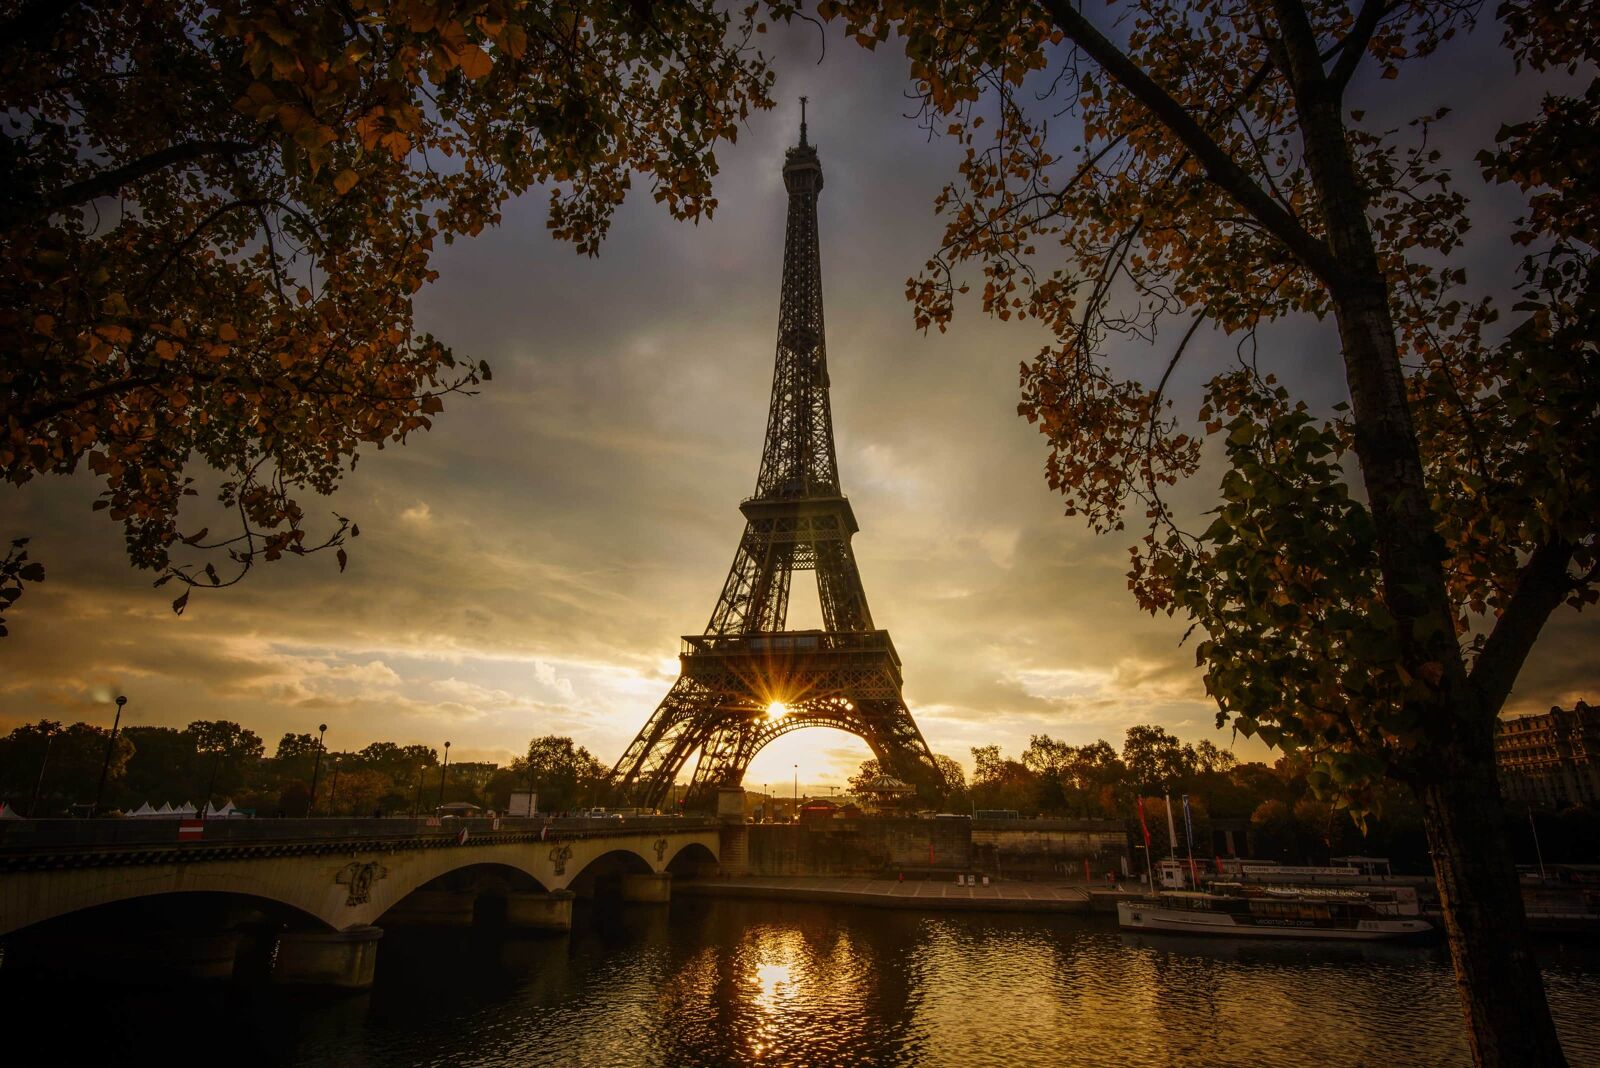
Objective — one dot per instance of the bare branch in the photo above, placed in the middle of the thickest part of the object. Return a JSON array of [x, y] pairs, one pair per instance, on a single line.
[[1229, 176], [108, 182]]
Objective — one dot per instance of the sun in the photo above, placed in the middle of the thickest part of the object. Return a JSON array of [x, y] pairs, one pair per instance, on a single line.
[[777, 710]]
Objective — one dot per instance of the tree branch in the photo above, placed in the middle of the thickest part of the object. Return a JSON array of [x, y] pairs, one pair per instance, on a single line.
[[1354, 45], [1313, 254], [108, 182], [1544, 584]]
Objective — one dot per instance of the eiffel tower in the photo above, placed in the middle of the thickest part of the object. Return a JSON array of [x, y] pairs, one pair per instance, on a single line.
[[747, 680]]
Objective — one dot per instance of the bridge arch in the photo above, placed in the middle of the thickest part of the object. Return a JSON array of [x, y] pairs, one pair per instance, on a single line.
[[602, 875], [691, 860], [153, 906], [465, 885]]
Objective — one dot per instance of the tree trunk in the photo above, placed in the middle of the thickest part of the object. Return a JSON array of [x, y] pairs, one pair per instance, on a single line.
[[1502, 992]]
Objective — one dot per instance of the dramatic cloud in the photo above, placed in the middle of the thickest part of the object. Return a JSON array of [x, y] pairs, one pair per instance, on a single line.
[[529, 565]]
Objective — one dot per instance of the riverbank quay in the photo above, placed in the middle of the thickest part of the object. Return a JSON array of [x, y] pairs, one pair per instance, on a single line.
[[926, 895]]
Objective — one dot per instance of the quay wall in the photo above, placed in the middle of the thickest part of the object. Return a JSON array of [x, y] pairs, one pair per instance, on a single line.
[[1017, 849], [1047, 848]]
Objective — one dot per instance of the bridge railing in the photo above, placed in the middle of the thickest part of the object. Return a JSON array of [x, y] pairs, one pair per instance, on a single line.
[[125, 833]]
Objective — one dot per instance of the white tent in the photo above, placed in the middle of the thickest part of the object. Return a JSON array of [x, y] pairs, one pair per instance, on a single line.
[[188, 809], [144, 811], [165, 809], [227, 811], [8, 813]]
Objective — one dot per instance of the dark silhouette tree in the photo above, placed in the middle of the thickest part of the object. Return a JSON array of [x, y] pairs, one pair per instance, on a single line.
[[1373, 578], [214, 218]]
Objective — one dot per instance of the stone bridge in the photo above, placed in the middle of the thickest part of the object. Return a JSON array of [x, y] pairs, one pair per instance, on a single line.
[[326, 888]]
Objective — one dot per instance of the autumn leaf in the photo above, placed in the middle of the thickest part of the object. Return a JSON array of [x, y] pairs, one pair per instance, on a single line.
[[475, 62]]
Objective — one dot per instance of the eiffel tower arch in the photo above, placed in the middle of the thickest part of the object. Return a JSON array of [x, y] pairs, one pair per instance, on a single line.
[[747, 680]]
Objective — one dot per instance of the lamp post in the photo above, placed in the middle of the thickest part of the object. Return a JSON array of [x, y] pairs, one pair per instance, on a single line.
[[38, 784], [211, 790], [532, 795], [333, 787], [105, 766], [443, 768], [316, 770]]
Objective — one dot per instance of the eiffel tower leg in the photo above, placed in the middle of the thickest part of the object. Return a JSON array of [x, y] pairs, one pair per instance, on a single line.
[[651, 763], [839, 589], [723, 760], [755, 596], [902, 752]]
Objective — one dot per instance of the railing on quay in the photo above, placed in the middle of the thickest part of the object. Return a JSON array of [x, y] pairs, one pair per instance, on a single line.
[[22, 836]]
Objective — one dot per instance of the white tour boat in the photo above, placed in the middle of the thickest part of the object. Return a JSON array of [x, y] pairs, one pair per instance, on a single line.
[[1238, 910]]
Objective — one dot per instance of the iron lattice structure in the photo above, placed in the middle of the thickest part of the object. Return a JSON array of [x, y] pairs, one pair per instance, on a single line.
[[846, 675]]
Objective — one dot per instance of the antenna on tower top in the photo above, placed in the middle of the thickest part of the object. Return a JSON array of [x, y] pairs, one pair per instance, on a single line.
[[802, 120]]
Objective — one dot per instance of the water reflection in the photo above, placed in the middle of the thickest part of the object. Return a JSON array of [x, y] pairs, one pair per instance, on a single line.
[[762, 983]]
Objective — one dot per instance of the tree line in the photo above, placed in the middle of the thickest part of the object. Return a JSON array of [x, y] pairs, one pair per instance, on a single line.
[[1287, 820], [48, 769]]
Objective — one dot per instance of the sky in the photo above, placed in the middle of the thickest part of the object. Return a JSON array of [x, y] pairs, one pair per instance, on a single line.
[[528, 566]]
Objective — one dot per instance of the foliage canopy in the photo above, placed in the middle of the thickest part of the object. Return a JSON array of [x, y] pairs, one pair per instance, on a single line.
[[1185, 174], [214, 218]]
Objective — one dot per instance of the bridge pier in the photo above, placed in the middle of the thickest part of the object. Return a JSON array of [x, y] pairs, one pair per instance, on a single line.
[[734, 849], [345, 959], [653, 887], [532, 910], [432, 908]]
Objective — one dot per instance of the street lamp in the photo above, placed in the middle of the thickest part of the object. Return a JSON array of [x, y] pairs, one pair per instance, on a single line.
[[443, 768], [216, 765], [532, 793], [316, 769], [106, 765], [333, 787], [38, 784]]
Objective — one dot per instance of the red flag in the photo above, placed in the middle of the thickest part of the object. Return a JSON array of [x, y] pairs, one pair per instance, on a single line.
[[1143, 826]]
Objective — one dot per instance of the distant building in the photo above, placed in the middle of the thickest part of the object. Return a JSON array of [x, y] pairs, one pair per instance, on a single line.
[[1551, 759], [817, 808]]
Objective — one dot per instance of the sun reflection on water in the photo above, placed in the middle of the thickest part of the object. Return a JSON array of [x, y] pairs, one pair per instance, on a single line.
[[769, 977]]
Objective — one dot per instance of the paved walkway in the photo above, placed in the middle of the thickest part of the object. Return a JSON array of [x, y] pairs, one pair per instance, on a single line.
[[887, 893]]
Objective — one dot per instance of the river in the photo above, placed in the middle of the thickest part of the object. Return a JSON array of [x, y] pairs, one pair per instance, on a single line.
[[720, 982]]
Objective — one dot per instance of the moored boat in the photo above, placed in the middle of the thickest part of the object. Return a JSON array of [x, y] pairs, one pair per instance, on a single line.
[[1236, 910]]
